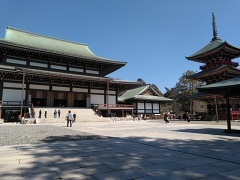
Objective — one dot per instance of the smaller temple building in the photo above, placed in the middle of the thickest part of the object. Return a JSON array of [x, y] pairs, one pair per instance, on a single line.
[[145, 101]]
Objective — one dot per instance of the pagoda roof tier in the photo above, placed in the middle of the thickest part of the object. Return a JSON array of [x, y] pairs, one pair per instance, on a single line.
[[232, 85], [216, 48], [44, 44], [229, 83], [213, 48], [203, 96], [215, 70]]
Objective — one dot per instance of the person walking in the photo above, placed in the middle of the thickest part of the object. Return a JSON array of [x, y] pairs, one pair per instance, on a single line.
[[69, 119], [187, 117], [166, 118]]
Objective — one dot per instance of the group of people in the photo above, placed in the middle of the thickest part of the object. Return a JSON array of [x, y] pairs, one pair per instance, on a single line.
[[40, 114], [57, 113], [71, 118], [185, 117]]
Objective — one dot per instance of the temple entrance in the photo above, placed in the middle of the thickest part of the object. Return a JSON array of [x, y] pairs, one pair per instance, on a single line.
[[60, 99], [80, 103], [60, 103], [39, 102], [80, 100], [39, 98]]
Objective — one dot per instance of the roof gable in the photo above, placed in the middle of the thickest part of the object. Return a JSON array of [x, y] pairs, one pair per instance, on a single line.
[[143, 93]]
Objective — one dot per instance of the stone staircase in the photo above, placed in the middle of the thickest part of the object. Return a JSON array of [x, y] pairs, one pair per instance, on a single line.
[[82, 115]]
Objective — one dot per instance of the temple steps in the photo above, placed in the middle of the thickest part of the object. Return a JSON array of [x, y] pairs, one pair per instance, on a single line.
[[82, 115]]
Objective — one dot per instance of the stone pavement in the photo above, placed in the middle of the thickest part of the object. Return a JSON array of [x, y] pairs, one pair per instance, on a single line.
[[134, 150]]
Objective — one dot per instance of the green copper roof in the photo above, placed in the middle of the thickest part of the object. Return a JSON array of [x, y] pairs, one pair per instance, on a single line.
[[40, 42], [138, 93], [209, 47], [132, 92], [215, 43], [223, 84]]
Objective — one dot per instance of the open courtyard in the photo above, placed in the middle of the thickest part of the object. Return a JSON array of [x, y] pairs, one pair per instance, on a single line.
[[120, 150]]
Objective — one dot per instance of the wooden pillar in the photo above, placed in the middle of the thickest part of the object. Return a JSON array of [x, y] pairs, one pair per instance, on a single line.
[[27, 94], [70, 98], [1, 93], [228, 111], [1, 89], [50, 99], [108, 110]]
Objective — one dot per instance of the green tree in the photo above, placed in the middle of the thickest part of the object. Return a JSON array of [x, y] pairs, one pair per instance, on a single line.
[[182, 92]]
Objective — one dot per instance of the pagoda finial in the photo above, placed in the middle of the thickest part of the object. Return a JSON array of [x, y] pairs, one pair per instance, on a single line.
[[215, 34]]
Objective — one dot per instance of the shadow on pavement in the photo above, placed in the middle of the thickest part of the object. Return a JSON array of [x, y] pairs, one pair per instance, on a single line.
[[66, 157]]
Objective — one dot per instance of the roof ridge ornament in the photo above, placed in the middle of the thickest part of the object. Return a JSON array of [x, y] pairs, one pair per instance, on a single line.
[[214, 25]]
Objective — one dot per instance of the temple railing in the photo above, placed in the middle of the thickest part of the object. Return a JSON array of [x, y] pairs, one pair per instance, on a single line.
[[114, 106], [218, 63]]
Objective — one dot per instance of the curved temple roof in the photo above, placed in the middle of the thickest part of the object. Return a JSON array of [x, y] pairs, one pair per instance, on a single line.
[[215, 44], [40, 42]]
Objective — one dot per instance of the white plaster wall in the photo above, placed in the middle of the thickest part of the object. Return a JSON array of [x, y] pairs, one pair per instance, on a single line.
[[112, 99], [148, 105], [96, 99], [140, 105]]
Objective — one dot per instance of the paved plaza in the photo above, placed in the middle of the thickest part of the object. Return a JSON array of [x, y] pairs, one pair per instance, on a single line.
[[141, 150]]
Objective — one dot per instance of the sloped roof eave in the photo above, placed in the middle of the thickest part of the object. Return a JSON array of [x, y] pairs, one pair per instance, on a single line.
[[213, 70], [38, 42], [211, 47], [233, 82], [152, 98]]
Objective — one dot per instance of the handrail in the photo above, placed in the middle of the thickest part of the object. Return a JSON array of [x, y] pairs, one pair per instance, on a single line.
[[96, 110], [114, 106]]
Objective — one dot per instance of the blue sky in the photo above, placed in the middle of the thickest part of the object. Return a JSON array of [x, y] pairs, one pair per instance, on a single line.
[[153, 36]]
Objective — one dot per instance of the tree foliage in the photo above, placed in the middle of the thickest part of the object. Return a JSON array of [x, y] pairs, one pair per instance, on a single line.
[[181, 93], [152, 85]]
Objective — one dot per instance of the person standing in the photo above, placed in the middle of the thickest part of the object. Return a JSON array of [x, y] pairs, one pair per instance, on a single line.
[[55, 113], [45, 114], [69, 118], [59, 113], [74, 117], [40, 113]]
